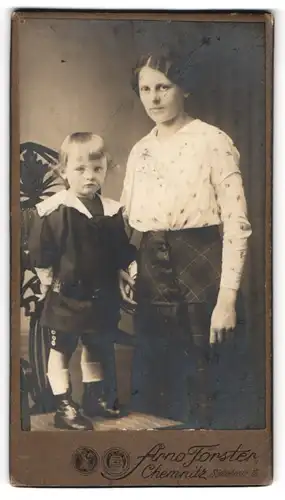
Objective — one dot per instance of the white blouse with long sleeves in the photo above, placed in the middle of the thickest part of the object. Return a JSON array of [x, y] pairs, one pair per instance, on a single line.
[[192, 179]]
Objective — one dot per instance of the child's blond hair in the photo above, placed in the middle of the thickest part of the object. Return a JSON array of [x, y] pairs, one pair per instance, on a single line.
[[97, 150]]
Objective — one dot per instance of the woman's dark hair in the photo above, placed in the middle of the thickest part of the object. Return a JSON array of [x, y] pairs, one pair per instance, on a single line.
[[169, 62]]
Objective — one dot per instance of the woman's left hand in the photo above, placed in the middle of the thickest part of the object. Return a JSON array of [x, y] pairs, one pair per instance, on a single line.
[[223, 319]]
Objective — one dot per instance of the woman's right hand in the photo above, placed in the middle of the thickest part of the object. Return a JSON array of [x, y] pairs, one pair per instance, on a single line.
[[44, 290], [126, 284]]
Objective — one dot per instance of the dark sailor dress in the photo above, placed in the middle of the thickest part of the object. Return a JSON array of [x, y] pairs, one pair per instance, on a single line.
[[85, 255], [81, 246]]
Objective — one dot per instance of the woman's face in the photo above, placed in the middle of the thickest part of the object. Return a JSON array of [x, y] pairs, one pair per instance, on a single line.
[[162, 99]]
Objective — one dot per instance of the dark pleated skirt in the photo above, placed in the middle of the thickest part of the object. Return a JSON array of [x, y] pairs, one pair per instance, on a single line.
[[176, 374]]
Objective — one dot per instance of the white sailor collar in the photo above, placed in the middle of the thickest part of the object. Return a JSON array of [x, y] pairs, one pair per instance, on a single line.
[[67, 198]]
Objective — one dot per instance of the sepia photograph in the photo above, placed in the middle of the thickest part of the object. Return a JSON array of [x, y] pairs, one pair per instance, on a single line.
[[144, 169]]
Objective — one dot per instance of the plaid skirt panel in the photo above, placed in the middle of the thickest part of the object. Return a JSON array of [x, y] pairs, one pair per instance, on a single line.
[[178, 282], [183, 265], [176, 373]]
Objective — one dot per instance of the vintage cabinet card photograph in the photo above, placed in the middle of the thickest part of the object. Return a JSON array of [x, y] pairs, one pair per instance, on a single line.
[[141, 178]]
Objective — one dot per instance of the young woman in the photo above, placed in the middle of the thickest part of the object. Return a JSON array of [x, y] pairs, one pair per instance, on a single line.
[[182, 186]]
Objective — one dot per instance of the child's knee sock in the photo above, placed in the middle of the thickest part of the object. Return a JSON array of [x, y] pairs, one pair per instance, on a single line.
[[92, 370], [95, 400], [58, 373]]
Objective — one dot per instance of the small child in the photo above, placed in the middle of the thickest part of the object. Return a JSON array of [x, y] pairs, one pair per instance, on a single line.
[[79, 249]]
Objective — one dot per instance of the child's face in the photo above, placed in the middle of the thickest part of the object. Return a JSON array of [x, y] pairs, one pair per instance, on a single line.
[[85, 171]]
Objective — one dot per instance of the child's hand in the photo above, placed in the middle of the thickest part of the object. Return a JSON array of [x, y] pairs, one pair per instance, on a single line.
[[126, 283], [44, 290], [223, 319]]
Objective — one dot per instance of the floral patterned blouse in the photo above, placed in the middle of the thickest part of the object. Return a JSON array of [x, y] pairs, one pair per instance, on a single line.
[[191, 179]]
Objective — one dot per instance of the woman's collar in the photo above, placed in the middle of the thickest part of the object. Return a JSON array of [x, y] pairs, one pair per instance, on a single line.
[[184, 128]]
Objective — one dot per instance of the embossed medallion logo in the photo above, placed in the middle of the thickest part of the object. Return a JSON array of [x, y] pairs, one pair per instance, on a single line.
[[116, 462], [85, 460]]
